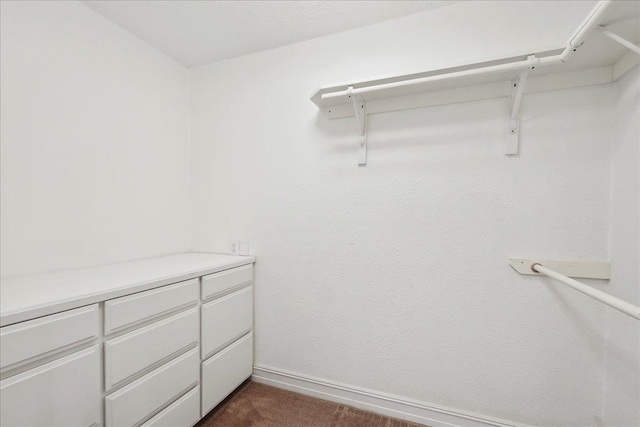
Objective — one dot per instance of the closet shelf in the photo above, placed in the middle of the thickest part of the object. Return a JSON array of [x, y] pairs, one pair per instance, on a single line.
[[601, 50]]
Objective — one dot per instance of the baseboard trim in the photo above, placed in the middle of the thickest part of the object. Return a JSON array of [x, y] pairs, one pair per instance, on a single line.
[[368, 400]]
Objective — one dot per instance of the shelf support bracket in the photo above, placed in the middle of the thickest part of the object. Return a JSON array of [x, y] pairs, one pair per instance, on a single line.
[[360, 110], [624, 42], [517, 90]]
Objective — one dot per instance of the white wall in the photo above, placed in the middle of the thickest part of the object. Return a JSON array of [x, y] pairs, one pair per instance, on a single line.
[[95, 150], [622, 392], [394, 277]]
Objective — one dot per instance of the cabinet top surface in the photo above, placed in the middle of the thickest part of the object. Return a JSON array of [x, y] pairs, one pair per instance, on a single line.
[[27, 297]]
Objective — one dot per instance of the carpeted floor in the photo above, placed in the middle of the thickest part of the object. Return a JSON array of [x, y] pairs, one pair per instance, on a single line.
[[259, 405]]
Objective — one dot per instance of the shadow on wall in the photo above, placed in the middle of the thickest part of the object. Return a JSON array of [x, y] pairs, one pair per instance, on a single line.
[[465, 130]]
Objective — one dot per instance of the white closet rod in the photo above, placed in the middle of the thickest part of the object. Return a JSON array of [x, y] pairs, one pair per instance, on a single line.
[[603, 297], [587, 26]]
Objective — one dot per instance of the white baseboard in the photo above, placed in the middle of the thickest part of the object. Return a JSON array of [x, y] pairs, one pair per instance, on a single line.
[[388, 405]]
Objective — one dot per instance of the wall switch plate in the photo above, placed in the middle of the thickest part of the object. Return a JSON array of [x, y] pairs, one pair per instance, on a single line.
[[234, 247], [243, 247]]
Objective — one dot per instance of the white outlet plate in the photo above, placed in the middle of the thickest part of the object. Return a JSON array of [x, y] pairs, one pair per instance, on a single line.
[[234, 247]]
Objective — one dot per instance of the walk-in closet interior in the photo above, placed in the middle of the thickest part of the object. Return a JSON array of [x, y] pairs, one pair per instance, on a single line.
[[320, 213]]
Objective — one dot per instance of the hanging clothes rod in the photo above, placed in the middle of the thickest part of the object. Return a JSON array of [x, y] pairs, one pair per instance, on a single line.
[[575, 41], [603, 297]]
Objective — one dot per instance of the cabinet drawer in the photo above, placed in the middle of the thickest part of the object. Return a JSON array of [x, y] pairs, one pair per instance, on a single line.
[[136, 351], [123, 312], [226, 281], [28, 341], [226, 319], [149, 394], [184, 412], [225, 371], [64, 393]]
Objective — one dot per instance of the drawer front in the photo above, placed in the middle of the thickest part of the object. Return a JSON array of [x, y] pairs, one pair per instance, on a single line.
[[147, 395], [28, 341], [136, 351], [225, 371], [184, 412], [226, 319], [226, 281], [64, 393], [127, 311]]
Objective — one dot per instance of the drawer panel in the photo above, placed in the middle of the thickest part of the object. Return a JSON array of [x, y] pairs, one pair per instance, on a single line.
[[226, 281], [28, 341], [140, 399], [123, 312], [184, 412], [62, 393], [136, 351], [225, 371], [226, 319]]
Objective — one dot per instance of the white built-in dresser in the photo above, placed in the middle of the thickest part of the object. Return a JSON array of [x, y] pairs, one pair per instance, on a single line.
[[155, 342]]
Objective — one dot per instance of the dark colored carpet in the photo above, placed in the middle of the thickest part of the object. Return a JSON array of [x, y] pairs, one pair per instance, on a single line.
[[259, 405]]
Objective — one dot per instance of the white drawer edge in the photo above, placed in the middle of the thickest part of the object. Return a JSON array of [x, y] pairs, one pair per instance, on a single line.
[[143, 379], [208, 281], [48, 318], [44, 358], [132, 378], [167, 404], [164, 367], [227, 344], [109, 330], [207, 404], [88, 332], [48, 366], [228, 295], [181, 399], [154, 325], [230, 347], [155, 365], [121, 330], [226, 292]]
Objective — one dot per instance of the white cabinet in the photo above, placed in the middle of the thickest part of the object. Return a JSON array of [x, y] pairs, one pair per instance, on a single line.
[[128, 311], [226, 319], [168, 355], [151, 393], [225, 371], [28, 341], [184, 412], [226, 281], [141, 349], [64, 393], [227, 340]]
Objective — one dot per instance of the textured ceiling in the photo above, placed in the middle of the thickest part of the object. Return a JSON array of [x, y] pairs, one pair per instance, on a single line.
[[200, 32]]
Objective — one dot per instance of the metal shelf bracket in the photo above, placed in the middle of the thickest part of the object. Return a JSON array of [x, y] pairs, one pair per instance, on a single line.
[[360, 110], [624, 42], [517, 89]]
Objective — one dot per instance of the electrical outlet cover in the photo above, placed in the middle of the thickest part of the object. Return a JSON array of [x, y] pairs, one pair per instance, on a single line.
[[234, 247]]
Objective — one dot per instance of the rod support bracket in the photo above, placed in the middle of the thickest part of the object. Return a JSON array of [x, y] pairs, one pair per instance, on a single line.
[[578, 268], [360, 110]]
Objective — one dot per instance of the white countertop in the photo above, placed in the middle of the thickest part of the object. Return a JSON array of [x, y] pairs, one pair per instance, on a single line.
[[27, 297]]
